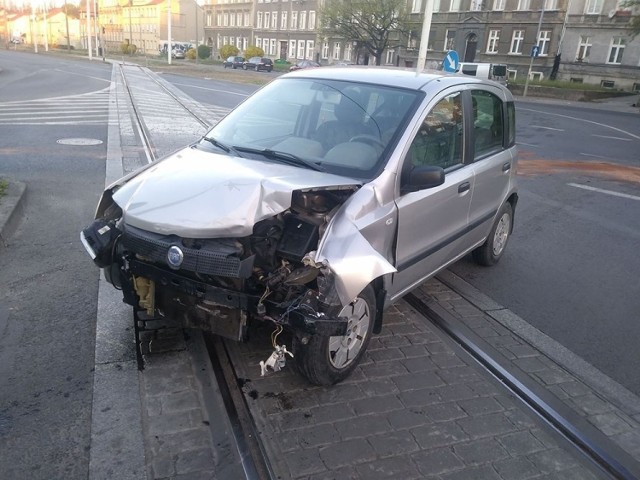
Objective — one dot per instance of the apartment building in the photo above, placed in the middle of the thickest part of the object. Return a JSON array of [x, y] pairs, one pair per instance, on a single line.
[[590, 37]]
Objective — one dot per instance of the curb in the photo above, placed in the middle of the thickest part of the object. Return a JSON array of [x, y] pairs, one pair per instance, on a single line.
[[11, 209]]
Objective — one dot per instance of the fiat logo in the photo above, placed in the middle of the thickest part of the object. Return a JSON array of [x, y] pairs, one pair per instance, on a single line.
[[175, 257]]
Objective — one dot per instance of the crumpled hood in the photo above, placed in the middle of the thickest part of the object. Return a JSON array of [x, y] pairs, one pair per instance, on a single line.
[[199, 194]]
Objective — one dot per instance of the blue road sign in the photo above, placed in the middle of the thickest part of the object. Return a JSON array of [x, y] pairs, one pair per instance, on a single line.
[[535, 51], [451, 61]]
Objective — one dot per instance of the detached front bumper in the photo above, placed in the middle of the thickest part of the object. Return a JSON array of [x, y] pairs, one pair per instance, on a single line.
[[303, 321]]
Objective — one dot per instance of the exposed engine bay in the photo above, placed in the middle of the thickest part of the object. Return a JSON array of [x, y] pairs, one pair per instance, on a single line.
[[220, 285]]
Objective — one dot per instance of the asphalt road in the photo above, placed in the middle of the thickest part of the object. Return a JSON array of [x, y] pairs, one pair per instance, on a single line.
[[48, 286]]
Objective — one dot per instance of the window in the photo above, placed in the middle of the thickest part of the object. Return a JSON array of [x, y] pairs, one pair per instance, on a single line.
[[436, 5], [274, 21], [498, 4], [247, 21], [488, 128], [476, 5], [439, 140], [347, 51], [584, 49], [272, 46], [310, 47], [301, 49], [492, 43], [208, 19], [616, 50], [512, 74], [239, 19], [232, 20], [312, 20], [325, 50], [294, 20], [303, 21], [416, 6], [576, 80], [544, 39], [524, 5], [292, 49], [635, 87], [607, 84], [550, 4], [449, 40], [454, 6], [283, 21], [336, 51], [259, 20], [267, 19], [593, 7], [225, 19], [390, 57], [516, 42]]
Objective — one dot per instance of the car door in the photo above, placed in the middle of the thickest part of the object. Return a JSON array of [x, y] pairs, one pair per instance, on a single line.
[[493, 158], [432, 223]]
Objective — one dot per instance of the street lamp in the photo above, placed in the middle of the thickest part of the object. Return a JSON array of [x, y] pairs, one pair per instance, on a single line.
[[534, 51]]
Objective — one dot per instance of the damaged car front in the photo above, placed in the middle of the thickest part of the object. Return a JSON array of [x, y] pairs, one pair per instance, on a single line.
[[273, 216]]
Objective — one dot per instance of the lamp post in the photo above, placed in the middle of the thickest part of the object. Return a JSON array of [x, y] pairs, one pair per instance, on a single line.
[[169, 45], [89, 29], [526, 82], [424, 37]]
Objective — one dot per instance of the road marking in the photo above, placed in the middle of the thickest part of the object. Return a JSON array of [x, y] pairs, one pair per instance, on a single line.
[[608, 192], [612, 138], [637, 137], [594, 156], [526, 144], [548, 128]]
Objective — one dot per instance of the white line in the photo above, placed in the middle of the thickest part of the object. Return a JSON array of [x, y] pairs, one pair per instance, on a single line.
[[527, 144], [548, 128], [583, 120], [612, 138], [594, 156], [213, 89], [608, 192]]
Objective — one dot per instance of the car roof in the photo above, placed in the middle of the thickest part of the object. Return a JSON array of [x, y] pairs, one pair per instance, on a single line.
[[388, 76]]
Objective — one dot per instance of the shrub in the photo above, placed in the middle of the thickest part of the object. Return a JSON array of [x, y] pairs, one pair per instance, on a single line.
[[253, 51], [204, 51], [191, 54], [227, 51], [127, 48]]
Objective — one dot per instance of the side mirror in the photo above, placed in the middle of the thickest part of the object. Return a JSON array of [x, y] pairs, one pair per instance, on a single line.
[[420, 178]]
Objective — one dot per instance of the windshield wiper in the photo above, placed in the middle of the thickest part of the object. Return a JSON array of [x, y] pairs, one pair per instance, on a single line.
[[223, 146], [284, 157]]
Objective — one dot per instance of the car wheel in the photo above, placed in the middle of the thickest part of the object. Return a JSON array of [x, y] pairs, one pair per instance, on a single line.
[[490, 252], [244, 67], [329, 360], [257, 68]]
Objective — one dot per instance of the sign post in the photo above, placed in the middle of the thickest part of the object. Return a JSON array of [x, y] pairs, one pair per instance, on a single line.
[[451, 62]]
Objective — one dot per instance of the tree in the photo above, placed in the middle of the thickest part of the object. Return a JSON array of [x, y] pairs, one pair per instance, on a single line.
[[253, 51], [204, 51], [634, 23], [227, 51], [375, 25]]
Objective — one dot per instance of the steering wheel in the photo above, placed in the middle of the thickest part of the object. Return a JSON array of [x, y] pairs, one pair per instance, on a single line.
[[368, 139]]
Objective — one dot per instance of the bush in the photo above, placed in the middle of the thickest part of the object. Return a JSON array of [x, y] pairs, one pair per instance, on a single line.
[[204, 51], [191, 54], [253, 51], [127, 48], [227, 51]]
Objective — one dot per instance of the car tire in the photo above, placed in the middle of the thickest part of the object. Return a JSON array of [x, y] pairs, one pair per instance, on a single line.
[[492, 249], [328, 360], [257, 68], [244, 67]]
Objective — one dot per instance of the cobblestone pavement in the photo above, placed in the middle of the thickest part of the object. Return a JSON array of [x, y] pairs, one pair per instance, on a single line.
[[417, 407]]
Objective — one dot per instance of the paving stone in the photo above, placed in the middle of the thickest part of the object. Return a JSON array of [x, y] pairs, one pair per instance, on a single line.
[[362, 427], [419, 364], [577, 473], [305, 462], [408, 418], [552, 376], [523, 350], [171, 443], [332, 413], [419, 398], [530, 364], [379, 386], [194, 461], [610, 423], [434, 344], [552, 460], [575, 389], [404, 328], [394, 468], [411, 351], [342, 392], [384, 369], [522, 420], [174, 422], [180, 401], [480, 451], [385, 354], [463, 374], [376, 405], [439, 435], [447, 361], [395, 341], [393, 443], [630, 441], [345, 473], [437, 462], [417, 381], [521, 443], [512, 468], [316, 435], [486, 425], [480, 406], [452, 393], [445, 412], [350, 452], [473, 473], [591, 404]]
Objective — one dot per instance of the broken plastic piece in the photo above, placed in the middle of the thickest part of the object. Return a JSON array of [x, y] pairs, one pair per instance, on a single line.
[[276, 361]]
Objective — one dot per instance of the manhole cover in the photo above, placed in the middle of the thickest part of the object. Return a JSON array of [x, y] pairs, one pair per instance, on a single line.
[[79, 141]]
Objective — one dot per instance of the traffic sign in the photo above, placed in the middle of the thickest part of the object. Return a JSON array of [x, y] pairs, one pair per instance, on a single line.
[[451, 61], [535, 51]]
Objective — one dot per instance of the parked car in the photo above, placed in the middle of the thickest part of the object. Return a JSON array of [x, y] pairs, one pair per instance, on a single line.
[[302, 64], [258, 63], [313, 206], [233, 62], [177, 53]]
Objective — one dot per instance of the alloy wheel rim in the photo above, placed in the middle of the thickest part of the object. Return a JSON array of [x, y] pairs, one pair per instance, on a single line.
[[343, 350], [501, 235]]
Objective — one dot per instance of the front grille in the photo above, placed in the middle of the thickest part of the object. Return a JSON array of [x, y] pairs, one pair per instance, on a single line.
[[218, 257]]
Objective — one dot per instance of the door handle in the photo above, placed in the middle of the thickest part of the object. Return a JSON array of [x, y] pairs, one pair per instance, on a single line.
[[463, 187], [506, 167]]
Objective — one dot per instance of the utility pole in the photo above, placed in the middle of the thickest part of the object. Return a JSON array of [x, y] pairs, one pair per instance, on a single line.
[[34, 29], [46, 30], [130, 29], [526, 82], [196, 3], [66, 21], [424, 37], [169, 45], [89, 30]]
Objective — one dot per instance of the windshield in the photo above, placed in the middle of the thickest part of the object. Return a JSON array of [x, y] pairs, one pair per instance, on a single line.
[[342, 127]]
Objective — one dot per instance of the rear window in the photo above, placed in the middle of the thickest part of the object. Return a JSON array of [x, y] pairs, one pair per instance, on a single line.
[[499, 70]]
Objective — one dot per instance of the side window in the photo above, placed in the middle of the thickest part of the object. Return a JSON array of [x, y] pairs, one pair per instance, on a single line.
[[511, 118], [488, 123], [439, 140]]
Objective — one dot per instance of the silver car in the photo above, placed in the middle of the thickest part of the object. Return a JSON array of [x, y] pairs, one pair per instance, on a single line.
[[316, 203]]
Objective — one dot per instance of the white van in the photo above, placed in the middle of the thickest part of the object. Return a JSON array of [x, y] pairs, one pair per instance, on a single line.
[[490, 71]]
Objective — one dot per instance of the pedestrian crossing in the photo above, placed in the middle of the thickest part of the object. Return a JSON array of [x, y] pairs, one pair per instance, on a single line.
[[86, 109]]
